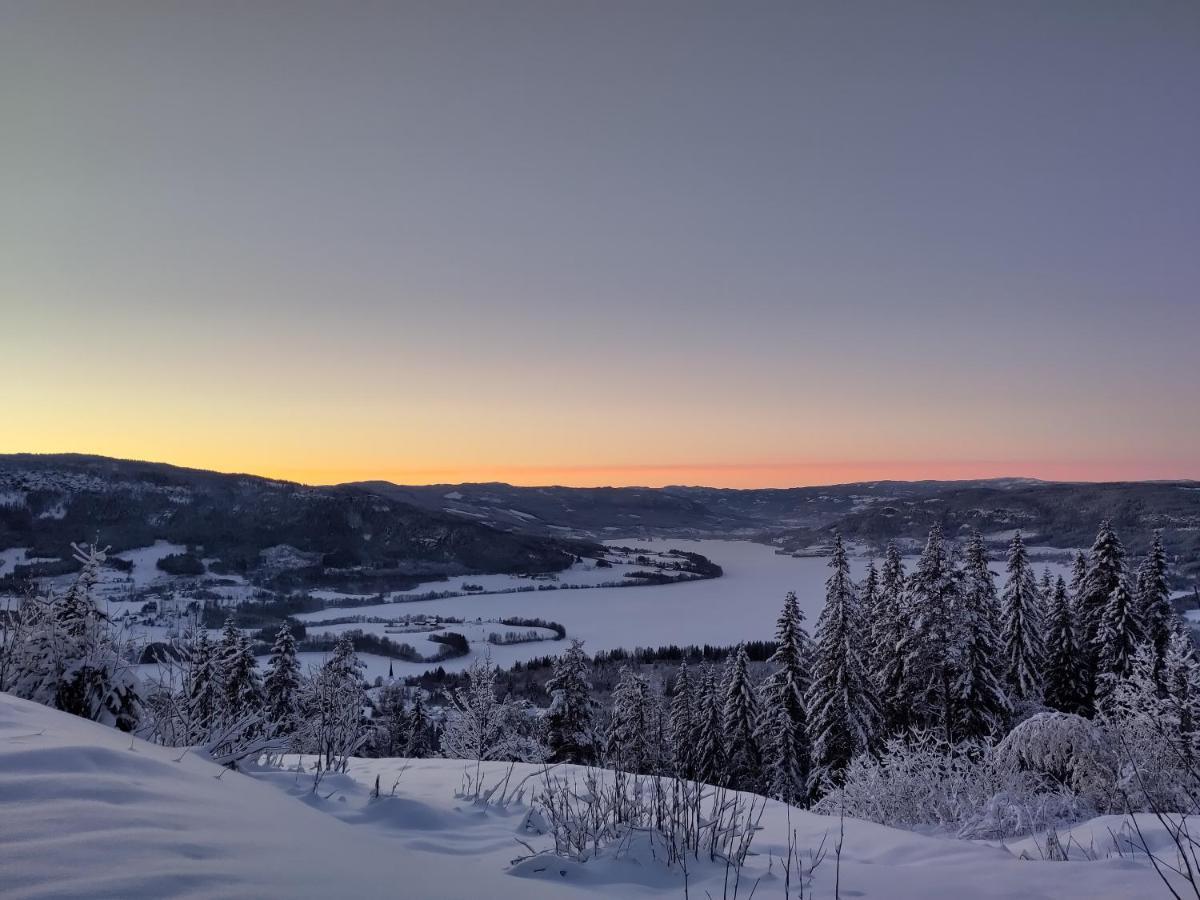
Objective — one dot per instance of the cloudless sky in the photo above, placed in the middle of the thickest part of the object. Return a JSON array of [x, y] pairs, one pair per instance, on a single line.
[[615, 242]]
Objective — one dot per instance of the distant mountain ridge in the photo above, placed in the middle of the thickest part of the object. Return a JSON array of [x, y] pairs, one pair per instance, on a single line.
[[412, 530], [1061, 515], [248, 524]]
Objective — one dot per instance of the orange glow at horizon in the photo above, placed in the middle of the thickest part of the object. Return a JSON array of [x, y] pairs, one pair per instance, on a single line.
[[781, 474], [734, 475]]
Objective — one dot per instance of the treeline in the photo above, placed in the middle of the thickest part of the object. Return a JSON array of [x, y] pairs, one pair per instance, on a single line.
[[756, 651], [452, 644]]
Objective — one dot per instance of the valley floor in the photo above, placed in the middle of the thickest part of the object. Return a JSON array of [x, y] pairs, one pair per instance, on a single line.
[[87, 811]]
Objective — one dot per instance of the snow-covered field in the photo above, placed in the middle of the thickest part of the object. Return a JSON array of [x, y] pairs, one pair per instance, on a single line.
[[86, 811]]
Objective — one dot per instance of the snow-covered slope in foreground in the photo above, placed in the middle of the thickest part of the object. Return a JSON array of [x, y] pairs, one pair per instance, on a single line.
[[88, 812]]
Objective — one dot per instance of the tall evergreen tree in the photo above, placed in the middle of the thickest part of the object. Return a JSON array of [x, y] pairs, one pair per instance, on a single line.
[[1045, 589], [632, 732], [743, 758], [1154, 604], [1079, 568], [683, 724], [931, 639], [980, 699], [392, 739], [570, 720], [1105, 571], [229, 645], [788, 754], [843, 709], [709, 737], [869, 601], [888, 627], [205, 702], [239, 676], [419, 729], [345, 662], [1024, 646], [281, 686], [1065, 676], [1117, 638]]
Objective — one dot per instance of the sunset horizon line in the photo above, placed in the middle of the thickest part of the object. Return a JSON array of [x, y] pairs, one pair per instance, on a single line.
[[574, 475]]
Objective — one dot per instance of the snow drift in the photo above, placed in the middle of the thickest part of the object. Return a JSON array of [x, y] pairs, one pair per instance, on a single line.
[[88, 811]]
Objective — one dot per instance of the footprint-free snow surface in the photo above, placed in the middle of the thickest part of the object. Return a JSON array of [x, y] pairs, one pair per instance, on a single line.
[[88, 812]]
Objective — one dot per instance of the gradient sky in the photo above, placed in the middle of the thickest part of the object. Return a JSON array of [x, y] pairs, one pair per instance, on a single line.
[[587, 243]]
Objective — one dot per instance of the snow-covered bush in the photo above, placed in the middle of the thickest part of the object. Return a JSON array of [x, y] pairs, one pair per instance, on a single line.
[[1060, 751], [332, 703], [919, 781], [616, 813], [1020, 809], [60, 651], [1052, 768], [481, 727]]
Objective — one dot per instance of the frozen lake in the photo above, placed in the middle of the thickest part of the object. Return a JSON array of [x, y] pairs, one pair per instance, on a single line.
[[742, 605]]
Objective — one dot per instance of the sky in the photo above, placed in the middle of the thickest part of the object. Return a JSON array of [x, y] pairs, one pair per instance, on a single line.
[[739, 244]]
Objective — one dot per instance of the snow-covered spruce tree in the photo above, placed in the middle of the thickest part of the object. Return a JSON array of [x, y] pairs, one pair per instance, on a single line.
[[205, 702], [633, 731], [391, 723], [1180, 675], [239, 676], [708, 738], [1064, 676], [787, 751], [345, 662], [419, 740], [1117, 639], [784, 777], [888, 627], [570, 720], [225, 653], [869, 599], [1105, 570], [481, 727], [1154, 603], [931, 640], [68, 657], [682, 727], [1024, 646], [843, 709], [281, 686], [743, 756], [1079, 568], [980, 699]]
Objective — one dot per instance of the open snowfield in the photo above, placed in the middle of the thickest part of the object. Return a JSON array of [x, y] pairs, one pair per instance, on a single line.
[[86, 811], [742, 605]]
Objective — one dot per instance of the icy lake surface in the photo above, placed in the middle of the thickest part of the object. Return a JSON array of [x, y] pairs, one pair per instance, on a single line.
[[742, 605]]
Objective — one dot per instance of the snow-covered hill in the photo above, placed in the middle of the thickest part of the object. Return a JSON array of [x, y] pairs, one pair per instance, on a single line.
[[88, 811]]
